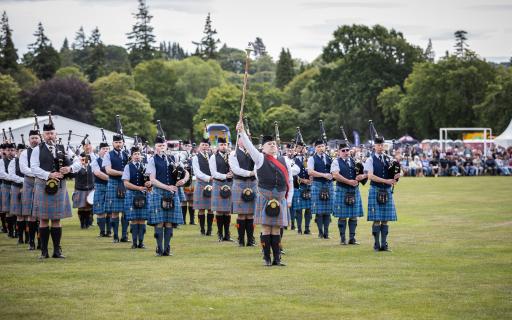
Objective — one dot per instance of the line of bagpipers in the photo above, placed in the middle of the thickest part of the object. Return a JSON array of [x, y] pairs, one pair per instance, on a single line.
[[262, 185]]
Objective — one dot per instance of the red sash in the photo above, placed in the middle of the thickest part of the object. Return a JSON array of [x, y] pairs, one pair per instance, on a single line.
[[281, 168]]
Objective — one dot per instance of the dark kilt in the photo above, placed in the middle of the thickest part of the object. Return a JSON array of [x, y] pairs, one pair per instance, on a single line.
[[100, 196], [200, 202], [158, 215], [16, 204], [341, 210], [298, 203], [113, 203], [239, 205], [51, 207], [79, 198], [182, 195], [380, 212], [27, 196], [136, 214], [320, 206], [262, 197], [219, 204], [6, 197]]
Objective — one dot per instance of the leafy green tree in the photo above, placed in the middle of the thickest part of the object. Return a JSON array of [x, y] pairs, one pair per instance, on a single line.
[[286, 116], [268, 95], [222, 105], [207, 47], [8, 53], [25, 78], [66, 55], [284, 69], [10, 102], [496, 109], [69, 72], [294, 89], [42, 57], [389, 103], [430, 55], [116, 60], [231, 59], [79, 48], [116, 94], [172, 51], [142, 39], [95, 61], [259, 48]]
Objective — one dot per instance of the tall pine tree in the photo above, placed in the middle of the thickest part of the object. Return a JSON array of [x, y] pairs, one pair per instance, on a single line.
[[460, 43], [66, 56], [42, 57], [430, 55], [95, 62], [259, 48], [207, 47], [142, 39], [284, 69], [8, 54]]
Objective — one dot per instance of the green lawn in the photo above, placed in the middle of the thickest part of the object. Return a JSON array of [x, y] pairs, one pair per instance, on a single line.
[[451, 259]]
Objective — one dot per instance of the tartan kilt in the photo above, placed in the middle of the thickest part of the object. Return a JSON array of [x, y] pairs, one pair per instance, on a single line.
[[130, 213], [16, 204], [380, 212], [218, 203], [51, 207], [100, 194], [322, 207], [27, 196], [79, 198], [200, 202], [158, 215], [262, 197], [341, 210], [113, 204], [239, 205], [6, 197], [297, 202], [181, 194]]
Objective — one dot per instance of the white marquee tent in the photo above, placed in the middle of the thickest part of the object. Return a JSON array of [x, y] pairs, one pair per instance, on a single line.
[[505, 139], [62, 125]]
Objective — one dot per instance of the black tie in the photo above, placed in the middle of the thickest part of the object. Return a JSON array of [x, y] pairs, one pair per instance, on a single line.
[[347, 162], [137, 165]]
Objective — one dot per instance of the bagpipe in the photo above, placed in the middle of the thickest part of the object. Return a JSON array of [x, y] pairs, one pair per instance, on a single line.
[[59, 161], [359, 167], [393, 165]]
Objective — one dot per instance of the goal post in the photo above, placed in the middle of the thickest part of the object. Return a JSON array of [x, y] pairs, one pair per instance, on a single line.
[[443, 135]]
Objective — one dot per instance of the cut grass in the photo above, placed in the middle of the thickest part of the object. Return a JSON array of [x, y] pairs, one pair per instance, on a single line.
[[451, 259]]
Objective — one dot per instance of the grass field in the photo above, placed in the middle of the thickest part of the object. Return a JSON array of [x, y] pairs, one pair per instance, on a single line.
[[451, 259]]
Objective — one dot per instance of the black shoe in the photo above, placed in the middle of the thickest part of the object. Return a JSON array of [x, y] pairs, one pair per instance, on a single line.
[[228, 239], [21, 241], [320, 235], [134, 246], [209, 233], [38, 246], [376, 248], [109, 234], [299, 231], [158, 252], [251, 243], [141, 246], [44, 256], [278, 263], [293, 227], [32, 246], [167, 252], [101, 235], [326, 237], [115, 240], [125, 239], [343, 242], [385, 248], [353, 242], [192, 223], [307, 231], [268, 263], [58, 255]]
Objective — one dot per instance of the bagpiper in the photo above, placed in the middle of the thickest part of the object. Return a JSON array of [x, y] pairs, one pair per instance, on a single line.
[[188, 189], [203, 187], [9, 151], [17, 178], [100, 190], [302, 184], [27, 194], [273, 199], [84, 185], [50, 164]]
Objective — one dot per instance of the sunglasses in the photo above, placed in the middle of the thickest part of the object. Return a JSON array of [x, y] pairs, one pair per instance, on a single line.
[[344, 150]]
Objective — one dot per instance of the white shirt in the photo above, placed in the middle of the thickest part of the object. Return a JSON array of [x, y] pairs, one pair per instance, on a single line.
[[12, 172], [94, 164], [150, 167], [235, 166], [311, 161], [42, 174], [335, 166], [368, 164], [4, 175], [24, 168], [197, 170], [212, 162], [259, 158]]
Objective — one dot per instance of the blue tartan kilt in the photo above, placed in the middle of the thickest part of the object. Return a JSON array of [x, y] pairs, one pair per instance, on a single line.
[[27, 196], [51, 207], [16, 204], [181, 194], [158, 215], [200, 202], [240, 206], [113, 203], [79, 198], [297, 202], [380, 212], [99, 200], [262, 198], [341, 210], [321, 207], [6, 198], [132, 213], [220, 204]]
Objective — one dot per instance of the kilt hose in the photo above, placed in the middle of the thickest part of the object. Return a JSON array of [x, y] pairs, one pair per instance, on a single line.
[[220, 204], [200, 201], [340, 209], [262, 198], [27, 196], [239, 205], [51, 207], [113, 203], [158, 215], [16, 203], [99, 201], [381, 212]]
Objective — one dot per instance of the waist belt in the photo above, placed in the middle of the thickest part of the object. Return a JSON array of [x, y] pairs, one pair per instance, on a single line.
[[7, 183], [19, 185]]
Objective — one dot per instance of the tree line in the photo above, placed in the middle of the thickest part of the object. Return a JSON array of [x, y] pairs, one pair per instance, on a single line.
[[362, 73]]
